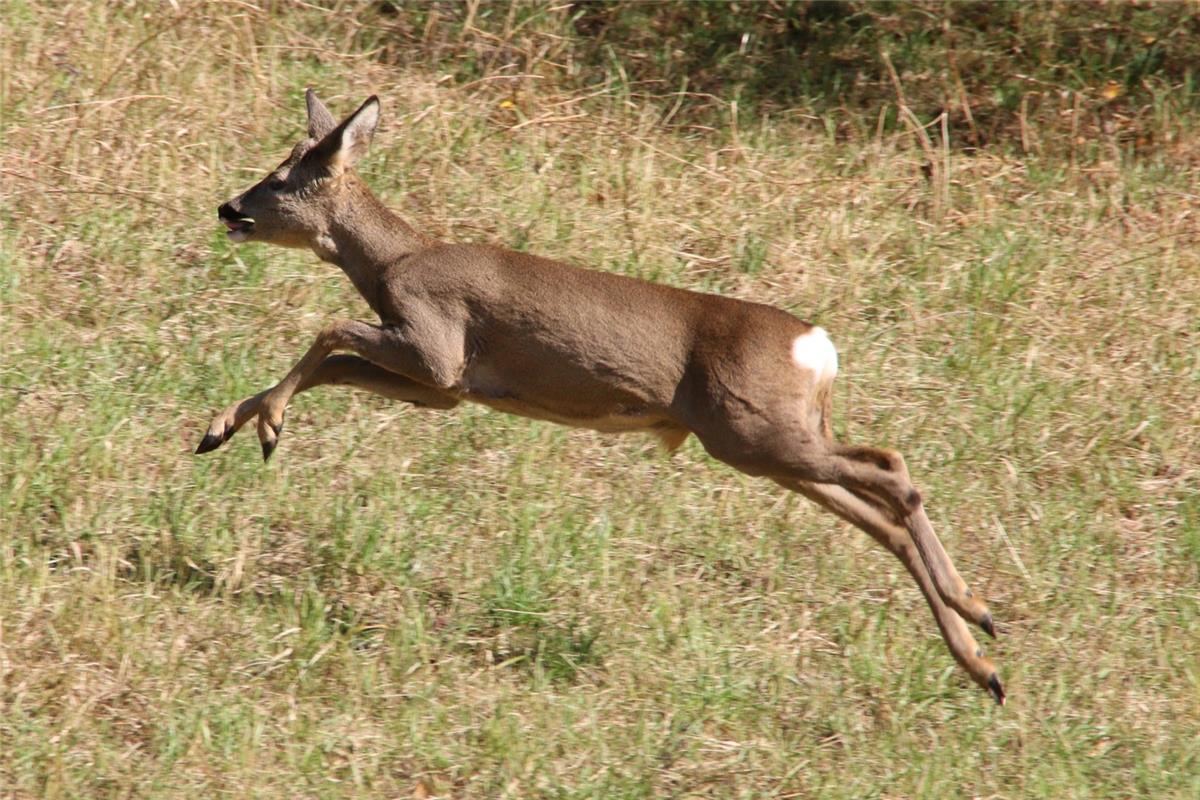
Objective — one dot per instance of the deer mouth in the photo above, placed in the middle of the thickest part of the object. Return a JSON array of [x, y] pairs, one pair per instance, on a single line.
[[239, 229], [240, 226]]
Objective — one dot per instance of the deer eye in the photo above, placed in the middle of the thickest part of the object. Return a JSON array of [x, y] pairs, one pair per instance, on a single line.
[[276, 185]]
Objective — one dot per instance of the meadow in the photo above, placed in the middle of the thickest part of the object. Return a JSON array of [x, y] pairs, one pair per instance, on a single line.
[[414, 604]]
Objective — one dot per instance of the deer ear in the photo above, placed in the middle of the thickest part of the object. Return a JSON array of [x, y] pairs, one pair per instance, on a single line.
[[320, 121], [342, 147]]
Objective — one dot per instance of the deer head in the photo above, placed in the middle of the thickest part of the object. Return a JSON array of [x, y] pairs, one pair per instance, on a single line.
[[293, 204]]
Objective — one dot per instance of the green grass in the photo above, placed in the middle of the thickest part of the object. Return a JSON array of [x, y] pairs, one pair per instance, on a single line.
[[408, 603]]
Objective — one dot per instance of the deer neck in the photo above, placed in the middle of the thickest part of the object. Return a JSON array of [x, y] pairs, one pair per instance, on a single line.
[[363, 237]]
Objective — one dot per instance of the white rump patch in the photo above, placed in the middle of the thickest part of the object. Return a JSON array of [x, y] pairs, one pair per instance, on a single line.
[[814, 352]]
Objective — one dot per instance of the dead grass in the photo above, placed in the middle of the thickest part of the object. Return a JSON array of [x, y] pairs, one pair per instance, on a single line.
[[407, 604]]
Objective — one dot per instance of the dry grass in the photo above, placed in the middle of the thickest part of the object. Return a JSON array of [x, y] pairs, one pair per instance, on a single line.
[[407, 604]]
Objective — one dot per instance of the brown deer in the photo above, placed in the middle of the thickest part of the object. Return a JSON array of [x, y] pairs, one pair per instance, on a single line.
[[547, 340]]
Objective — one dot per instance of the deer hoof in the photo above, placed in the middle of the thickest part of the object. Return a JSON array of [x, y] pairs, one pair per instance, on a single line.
[[209, 443], [996, 690], [988, 626], [268, 448]]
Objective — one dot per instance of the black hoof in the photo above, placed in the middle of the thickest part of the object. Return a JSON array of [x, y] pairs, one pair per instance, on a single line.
[[996, 690], [268, 448], [988, 627], [209, 443]]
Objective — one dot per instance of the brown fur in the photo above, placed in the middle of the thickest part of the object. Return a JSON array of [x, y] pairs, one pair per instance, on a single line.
[[544, 339]]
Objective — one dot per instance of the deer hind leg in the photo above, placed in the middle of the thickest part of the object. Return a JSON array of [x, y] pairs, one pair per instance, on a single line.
[[874, 517], [793, 445], [893, 487], [338, 370], [883, 475], [874, 495]]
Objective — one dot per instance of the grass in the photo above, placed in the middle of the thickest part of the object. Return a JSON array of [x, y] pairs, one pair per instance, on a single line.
[[414, 604]]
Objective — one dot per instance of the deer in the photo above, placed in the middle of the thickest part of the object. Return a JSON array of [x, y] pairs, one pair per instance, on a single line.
[[547, 340]]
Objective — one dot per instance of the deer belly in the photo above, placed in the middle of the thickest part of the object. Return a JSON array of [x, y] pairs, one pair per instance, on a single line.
[[618, 420], [579, 409]]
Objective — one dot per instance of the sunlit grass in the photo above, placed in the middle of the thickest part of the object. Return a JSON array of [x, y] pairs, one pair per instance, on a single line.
[[411, 603]]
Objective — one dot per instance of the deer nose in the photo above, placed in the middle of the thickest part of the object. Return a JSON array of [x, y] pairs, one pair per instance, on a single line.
[[227, 211]]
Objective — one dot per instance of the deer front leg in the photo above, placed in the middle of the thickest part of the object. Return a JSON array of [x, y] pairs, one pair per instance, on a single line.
[[338, 370], [229, 422], [432, 356]]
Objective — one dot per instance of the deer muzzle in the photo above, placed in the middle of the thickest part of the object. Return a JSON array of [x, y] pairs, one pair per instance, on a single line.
[[240, 226]]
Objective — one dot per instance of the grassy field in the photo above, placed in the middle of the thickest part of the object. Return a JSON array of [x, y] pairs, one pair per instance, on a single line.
[[410, 604]]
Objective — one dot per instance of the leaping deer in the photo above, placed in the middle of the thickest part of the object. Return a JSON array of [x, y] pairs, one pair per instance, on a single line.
[[547, 340]]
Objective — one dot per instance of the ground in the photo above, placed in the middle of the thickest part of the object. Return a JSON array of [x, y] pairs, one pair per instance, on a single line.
[[408, 603]]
